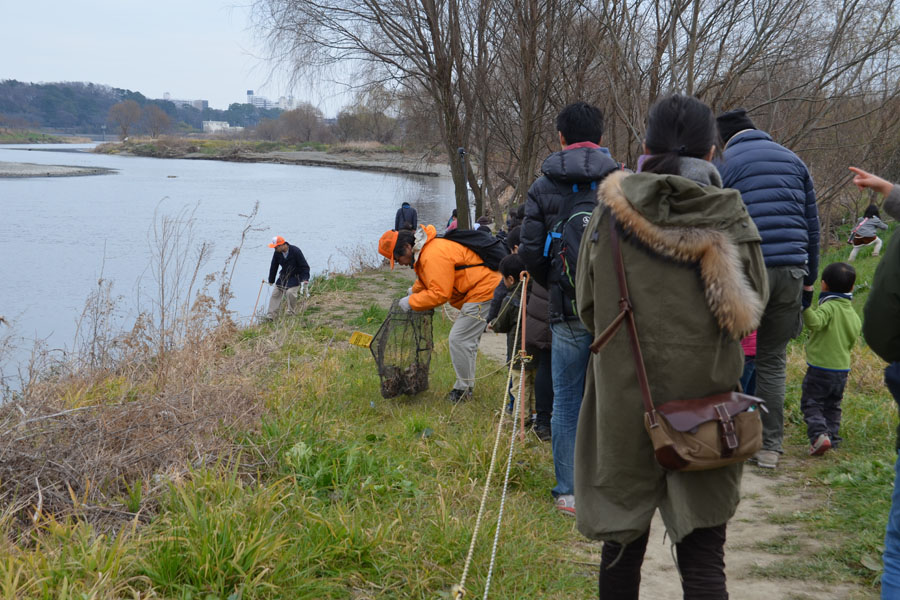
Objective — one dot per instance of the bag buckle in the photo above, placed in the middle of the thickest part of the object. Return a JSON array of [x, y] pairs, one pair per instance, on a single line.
[[729, 436]]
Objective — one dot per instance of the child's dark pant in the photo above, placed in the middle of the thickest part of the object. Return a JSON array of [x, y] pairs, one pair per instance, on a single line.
[[701, 560], [821, 402]]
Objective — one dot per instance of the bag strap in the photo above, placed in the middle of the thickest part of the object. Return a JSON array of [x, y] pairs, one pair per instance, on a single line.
[[626, 314]]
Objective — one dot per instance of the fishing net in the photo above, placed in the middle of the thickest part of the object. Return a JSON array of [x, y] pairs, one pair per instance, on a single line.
[[402, 350]]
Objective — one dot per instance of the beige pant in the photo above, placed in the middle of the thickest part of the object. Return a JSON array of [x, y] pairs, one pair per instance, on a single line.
[[287, 296], [463, 341]]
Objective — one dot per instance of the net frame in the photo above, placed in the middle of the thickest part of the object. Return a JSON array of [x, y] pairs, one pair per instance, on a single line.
[[402, 349]]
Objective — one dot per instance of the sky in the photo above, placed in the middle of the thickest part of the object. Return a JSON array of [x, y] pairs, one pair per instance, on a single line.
[[192, 49]]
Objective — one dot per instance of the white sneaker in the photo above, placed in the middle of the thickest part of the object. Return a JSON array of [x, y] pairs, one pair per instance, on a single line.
[[566, 504]]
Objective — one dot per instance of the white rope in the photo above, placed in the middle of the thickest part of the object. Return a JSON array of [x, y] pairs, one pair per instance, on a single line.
[[458, 591]]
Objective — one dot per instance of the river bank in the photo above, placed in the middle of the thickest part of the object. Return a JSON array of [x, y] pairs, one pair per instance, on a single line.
[[17, 169], [358, 157]]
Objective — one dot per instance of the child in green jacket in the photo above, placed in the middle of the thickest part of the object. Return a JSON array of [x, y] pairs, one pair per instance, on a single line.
[[834, 327]]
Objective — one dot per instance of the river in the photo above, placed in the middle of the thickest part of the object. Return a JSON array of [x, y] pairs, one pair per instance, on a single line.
[[59, 235]]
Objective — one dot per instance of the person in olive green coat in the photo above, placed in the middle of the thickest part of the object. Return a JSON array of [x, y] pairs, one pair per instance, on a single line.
[[697, 280]]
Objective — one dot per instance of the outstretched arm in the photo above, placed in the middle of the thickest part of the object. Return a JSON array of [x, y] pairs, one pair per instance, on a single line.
[[864, 180]]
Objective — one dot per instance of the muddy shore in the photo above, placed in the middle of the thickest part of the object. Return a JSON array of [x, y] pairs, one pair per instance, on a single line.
[[14, 169]]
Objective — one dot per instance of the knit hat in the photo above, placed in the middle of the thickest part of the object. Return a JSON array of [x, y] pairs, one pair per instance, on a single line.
[[733, 121]]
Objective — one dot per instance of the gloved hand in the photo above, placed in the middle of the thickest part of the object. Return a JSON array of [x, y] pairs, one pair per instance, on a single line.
[[806, 299], [404, 303], [304, 289]]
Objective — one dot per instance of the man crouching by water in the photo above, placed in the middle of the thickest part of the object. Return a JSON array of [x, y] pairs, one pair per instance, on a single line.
[[446, 272], [293, 279]]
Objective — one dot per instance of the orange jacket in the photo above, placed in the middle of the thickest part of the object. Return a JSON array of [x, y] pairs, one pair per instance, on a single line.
[[438, 280]]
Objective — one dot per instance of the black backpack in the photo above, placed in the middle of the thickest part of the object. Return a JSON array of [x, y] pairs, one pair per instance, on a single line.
[[490, 249], [563, 239]]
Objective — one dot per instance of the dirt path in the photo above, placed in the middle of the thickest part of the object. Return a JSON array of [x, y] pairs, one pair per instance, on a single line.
[[753, 530]]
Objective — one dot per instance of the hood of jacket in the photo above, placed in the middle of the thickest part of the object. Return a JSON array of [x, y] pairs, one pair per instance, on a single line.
[[424, 234], [579, 165], [683, 221]]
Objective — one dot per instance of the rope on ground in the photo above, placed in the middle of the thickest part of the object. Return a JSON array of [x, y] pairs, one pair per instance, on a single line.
[[458, 591]]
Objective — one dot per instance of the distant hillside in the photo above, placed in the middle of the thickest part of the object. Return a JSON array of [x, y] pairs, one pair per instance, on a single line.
[[83, 107]]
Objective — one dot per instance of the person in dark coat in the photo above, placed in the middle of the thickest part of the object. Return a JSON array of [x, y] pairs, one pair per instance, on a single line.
[[881, 329], [777, 190], [538, 319], [293, 279], [407, 218], [570, 177]]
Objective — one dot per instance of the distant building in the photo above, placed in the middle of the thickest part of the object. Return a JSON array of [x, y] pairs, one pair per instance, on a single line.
[[260, 101], [219, 127], [198, 104]]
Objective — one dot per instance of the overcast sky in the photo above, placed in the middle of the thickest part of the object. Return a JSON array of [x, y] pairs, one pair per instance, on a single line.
[[193, 49]]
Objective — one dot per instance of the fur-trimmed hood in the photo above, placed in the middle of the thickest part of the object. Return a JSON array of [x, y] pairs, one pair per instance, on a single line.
[[682, 221]]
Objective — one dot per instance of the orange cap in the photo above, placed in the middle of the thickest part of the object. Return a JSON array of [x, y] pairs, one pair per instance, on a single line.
[[386, 245], [277, 241]]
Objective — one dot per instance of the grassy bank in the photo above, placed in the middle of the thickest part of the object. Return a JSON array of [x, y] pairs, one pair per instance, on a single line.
[[179, 147], [324, 489], [18, 136], [265, 464], [855, 481]]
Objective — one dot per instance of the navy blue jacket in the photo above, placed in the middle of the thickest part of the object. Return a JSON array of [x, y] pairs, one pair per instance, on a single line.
[[294, 268], [406, 214], [566, 181], [778, 192]]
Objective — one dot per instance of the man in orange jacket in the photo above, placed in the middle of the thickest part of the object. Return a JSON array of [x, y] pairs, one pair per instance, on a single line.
[[446, 272]]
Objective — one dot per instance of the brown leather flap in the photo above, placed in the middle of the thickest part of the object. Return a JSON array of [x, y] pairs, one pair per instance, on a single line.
[[685, 415]]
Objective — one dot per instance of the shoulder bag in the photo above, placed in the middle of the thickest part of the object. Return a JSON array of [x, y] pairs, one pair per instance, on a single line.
[[693, 434]]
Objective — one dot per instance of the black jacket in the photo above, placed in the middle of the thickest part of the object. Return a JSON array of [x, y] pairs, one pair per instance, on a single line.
[[537, 326], [566, 180], [294, 268], [406, 214]]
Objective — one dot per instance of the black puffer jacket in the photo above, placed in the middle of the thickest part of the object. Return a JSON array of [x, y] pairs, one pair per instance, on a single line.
[[566, 180]]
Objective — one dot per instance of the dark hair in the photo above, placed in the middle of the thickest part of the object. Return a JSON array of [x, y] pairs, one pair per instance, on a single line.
[[405, 237], [580, 122], [513, 237], [677, 126], [839, 277], [453, 214], [871, 211], [520, 212], [512, 265]]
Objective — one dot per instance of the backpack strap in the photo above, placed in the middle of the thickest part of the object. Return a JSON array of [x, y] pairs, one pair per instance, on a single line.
[[461, 267]]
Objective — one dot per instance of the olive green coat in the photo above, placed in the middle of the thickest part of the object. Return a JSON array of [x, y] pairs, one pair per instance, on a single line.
[[697, 281]]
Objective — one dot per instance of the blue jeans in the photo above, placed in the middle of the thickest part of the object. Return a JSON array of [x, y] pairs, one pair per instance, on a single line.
[[890, 579], [570, 350], [748, 377]]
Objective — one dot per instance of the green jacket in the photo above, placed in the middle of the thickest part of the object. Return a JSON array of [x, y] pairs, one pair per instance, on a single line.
[[697, 281], [881, 315], [834, 328]]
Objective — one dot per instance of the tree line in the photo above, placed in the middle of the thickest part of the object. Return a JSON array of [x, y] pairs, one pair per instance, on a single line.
[[85, 107], [489, 76]]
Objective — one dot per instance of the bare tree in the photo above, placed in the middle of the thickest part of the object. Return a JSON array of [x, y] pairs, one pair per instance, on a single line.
[[300, 124], [124, 115], [155, 120], [429, 46]]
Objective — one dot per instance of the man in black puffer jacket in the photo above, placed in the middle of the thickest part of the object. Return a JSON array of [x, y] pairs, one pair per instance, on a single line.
[[557, 210], [778, 193]]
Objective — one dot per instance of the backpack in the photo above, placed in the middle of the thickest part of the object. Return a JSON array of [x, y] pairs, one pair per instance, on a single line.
[[490, 249], [563, 239]]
